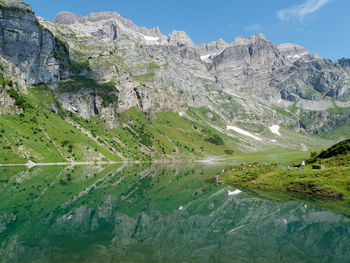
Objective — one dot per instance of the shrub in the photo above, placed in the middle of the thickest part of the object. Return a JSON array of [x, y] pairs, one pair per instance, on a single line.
[[19, 99], [229, 152], [215, 139]]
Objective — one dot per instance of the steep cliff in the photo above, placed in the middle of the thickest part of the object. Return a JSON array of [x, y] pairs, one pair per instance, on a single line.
[[39, 56]]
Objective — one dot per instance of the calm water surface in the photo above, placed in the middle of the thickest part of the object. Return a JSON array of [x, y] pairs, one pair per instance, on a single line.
[[156, 213]]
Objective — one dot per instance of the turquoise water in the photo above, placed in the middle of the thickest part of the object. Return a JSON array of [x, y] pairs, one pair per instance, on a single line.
[[156, 213]]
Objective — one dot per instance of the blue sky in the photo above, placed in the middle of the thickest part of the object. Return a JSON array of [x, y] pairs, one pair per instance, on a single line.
[[322, 26]]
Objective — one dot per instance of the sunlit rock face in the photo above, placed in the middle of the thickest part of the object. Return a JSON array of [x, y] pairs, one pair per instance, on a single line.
[[38, 55]]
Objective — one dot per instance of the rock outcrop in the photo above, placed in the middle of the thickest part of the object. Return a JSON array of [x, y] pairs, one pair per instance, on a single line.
[[295, 52], [39, 56]]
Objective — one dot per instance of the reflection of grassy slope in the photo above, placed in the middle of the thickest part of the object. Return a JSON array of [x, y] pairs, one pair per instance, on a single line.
[[328, 187], [42, 191], [47, 193]]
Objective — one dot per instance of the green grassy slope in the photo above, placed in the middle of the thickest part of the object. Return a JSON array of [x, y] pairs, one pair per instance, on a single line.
[[45, 132], [325, 180], [41, 135]]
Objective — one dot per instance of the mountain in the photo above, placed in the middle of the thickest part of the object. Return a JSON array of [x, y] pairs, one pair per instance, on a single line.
[[102, 66]]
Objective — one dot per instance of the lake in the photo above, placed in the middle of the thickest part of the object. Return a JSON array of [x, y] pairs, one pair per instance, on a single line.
[[156, 213]]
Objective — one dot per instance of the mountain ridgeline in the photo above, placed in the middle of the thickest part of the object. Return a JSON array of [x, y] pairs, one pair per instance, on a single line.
[[121, 87]]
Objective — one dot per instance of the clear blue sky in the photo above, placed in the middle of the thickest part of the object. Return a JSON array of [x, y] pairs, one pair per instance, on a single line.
[[322, 26]]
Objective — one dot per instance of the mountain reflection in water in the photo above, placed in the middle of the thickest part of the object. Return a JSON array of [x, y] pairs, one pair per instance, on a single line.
[[156, 213]]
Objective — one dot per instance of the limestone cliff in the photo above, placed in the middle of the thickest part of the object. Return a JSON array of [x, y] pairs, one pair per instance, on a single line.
[[39, 56]]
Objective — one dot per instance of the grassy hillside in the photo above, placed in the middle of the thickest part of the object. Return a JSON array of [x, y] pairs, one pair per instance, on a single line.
[[45, 132], [324, 181]]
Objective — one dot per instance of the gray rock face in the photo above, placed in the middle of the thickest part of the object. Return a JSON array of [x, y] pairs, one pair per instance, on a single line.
[[208, 51], [67, 18], [295, 52], [87, 104], [255, 51], [109, 31], [16, 4], [180, 39], [326, 77], [95, 21], [34, 51]]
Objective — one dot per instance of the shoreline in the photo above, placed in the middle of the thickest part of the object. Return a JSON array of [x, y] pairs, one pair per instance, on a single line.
[[31, 164], [326, 187]]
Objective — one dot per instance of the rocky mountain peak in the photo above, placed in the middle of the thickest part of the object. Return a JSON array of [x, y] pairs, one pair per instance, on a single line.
[[180, 39], [156, 31], [294, 52], [97, 24], [15, 3], [254, 50], [208, 51], [68, 18]]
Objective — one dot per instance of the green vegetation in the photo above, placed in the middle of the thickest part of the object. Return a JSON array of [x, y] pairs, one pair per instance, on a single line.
[[215, 139], [5, 8], [45, 132], [324, 181], [341, 148], [106, 91], [79, 83], [4, 82], [144, 77], [342, 131], [20, 100], [40, 135]]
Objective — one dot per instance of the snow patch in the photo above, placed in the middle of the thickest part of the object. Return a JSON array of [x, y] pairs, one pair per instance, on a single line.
[[181, 208], [236, 192], [239, 130], [275, 129], [273, 140], [182, 114], [148, 38], [206, 57]]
